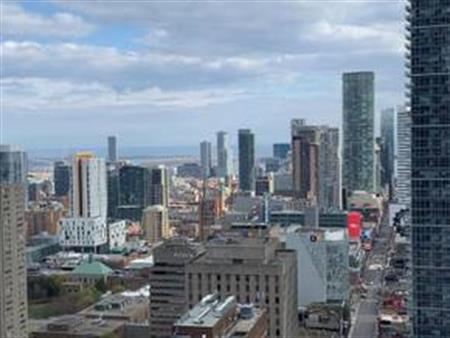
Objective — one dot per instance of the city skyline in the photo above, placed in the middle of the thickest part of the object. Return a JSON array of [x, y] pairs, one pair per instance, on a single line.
[[150, 79]]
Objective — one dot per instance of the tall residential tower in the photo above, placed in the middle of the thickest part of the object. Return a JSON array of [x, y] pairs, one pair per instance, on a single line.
[[246, 141], [428, 60], [358, 131], [13, 280]]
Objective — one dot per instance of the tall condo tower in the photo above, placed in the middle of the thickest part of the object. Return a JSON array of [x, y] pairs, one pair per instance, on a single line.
[[428, 63], [246, 140], [358, 131], [112, 149], [223, 155], [13, 281]]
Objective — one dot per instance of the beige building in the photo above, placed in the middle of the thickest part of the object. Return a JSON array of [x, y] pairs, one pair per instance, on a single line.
[[44, 217], [167, 282], [13, 280], [256, 271], [155, 222]]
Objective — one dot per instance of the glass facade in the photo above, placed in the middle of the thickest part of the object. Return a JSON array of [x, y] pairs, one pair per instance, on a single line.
[[428, 60], [246, 160], [358, 131]]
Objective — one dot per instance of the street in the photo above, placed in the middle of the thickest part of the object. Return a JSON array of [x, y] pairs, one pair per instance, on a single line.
[[366, 316]]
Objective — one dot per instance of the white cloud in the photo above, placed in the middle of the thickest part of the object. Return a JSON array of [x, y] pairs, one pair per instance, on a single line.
[[36, 94], [18, 23]]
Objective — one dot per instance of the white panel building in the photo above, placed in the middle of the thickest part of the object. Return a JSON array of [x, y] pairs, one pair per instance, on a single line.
[[322, 263], [86, 228]]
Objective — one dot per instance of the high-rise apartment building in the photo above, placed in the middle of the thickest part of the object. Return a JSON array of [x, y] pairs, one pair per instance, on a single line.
[[316, 164], [155, 222], [168, 300], [255, 270], [246, 140], [85, 229], [159, 186], [403, 182], [428, 59], [358, 131], [61, 178], [112, 149], [13, 281], [305, 160], [387, 126], [223, 155], [206, 158]]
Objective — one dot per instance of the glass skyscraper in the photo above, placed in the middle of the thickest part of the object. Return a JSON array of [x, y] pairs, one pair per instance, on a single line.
[[387, 126], [246, 160], [358, 131], [428, 60]]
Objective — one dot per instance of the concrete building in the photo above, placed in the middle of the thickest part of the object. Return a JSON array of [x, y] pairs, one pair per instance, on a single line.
[[13, 281], [322, 264], [388, 139], [246, 141], [206, 158], [44, 217], [358, 131], [316, 164], [112, 149], [168, 284], [61, 178], [155, 223], [212, 317], [117, 234], [428, 67], [224, 162], [254, 270], [264, 185]]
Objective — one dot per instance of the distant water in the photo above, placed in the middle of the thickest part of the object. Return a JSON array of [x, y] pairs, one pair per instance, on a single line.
[[134, 152]]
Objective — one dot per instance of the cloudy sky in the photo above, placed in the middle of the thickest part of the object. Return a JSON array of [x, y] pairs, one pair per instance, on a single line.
[[168, 73]]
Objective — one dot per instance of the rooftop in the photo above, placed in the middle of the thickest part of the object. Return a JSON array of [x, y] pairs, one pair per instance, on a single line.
[[92, 268]]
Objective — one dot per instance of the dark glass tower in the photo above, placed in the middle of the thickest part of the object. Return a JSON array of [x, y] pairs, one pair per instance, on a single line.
[[134, 191], [429, 62], [61, 178], [246, 141]]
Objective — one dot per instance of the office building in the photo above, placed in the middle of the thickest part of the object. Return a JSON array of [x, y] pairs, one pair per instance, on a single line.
[[428, 58], [61, 178], [223, 155], [159, 189], [322, 264], [358, 131], [316, 164], [388, 139], [281, 150], [206, 158], [254, 270], [264, 185], [113, 185], [86, 229], [213, 317], [246, 140], [112, 149], [155, 223], [377, 165], [13, 281], [134, 191], [167, 279]]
